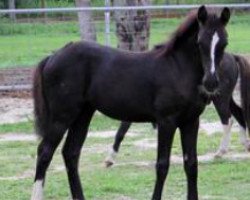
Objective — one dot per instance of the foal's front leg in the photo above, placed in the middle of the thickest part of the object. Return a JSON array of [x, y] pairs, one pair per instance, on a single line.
[[189, 133], [166, 132]]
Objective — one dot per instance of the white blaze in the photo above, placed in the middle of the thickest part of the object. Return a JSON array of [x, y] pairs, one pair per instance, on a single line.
[[215, 40]]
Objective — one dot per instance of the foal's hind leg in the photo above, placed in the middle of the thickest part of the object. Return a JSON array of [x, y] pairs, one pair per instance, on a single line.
[[123, 129], [72, 148], [45, 153]]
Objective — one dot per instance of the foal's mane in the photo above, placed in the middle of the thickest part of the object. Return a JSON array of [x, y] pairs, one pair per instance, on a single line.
[[186, 29]]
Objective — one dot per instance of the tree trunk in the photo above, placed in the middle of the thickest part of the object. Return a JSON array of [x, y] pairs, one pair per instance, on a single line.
[[86, 23], [11, 5], [132, 26]]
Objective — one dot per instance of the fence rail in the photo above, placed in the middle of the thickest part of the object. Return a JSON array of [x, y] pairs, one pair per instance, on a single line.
[[119, 8]]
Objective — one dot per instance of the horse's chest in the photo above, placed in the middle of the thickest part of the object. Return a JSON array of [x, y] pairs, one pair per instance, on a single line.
[[236, 92], [172, 100]]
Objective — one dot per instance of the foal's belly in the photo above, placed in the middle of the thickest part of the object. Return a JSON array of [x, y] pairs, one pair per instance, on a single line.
[[123, 104], [130, 116], [124, 109]]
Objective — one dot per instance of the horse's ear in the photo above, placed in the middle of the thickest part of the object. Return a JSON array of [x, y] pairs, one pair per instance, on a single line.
[[225, 15], [202, 14]]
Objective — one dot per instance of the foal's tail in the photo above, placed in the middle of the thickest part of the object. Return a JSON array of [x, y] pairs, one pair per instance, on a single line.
[[244, 70], [40, 105]]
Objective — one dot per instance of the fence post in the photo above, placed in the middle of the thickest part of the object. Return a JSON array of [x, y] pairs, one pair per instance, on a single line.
[[11, 5], [107, 24]]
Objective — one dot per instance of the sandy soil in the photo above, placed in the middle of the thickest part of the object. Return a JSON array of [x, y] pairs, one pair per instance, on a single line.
[[13, 110]]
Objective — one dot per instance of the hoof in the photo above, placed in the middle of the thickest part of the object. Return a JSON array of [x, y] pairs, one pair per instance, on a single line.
[[220, 153], [247, 145], [108, 163], [110, 159]]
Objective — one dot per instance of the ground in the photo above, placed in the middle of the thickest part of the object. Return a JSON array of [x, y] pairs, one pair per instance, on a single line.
[[132, 177]]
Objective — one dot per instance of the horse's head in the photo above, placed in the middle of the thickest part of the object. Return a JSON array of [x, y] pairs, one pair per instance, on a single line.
[[212, 40]]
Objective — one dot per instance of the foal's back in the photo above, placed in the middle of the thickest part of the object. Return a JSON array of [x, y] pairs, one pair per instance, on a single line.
[[118, 83]]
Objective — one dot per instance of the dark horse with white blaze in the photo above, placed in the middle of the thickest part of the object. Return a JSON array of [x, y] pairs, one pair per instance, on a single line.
[[161, 85], [228, 102]]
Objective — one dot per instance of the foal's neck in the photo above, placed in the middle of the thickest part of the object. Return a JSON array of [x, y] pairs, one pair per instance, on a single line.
[[191, 49]]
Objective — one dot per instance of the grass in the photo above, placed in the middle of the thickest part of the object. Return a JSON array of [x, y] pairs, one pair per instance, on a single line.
[[217, 179], [21, 127], [25, 44]]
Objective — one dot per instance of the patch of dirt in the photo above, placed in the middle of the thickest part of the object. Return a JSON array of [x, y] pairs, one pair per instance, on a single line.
[[32, 137], [215, 197], [17, 137], [26, 174], [30, 173], [211, 128], [13, 110], [176, 159], [107, 134], [146, 143], [123, 198]]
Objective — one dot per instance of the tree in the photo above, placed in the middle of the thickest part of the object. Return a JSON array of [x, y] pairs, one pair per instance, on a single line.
[[132, 26], [86, 23]]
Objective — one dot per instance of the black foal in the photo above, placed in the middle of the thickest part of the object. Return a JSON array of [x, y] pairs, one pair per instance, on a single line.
[[161, 86]]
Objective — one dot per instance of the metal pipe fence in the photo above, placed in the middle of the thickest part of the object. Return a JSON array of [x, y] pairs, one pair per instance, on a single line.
[[119, 8]]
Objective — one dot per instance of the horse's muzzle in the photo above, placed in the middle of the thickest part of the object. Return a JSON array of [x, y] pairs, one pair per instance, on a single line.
[[211, 82]]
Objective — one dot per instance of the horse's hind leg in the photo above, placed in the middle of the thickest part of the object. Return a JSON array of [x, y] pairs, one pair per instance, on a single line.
[[72, 148], [222, 106], [45, 153], [123, 129], [238, 114]]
